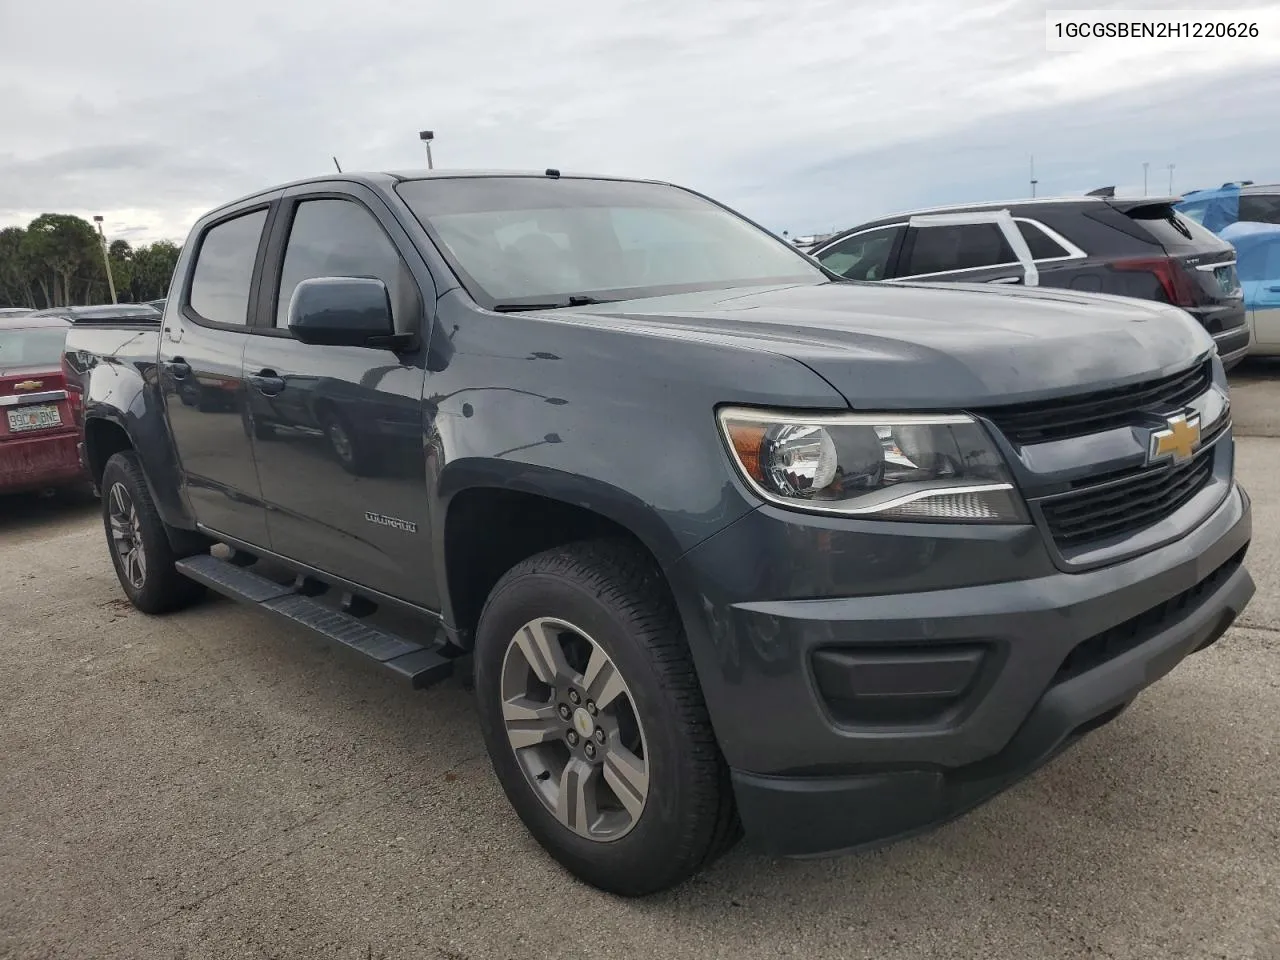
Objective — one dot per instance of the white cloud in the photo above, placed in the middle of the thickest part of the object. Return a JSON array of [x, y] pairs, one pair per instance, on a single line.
[[148, 111]]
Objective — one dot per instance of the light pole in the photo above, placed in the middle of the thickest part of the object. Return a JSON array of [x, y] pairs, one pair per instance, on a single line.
[[106, 258], [426, 136], [1144, 179], [1034, 181], [1171, 179]]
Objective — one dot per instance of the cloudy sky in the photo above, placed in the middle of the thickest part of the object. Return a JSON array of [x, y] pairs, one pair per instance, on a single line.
[[804, 114]]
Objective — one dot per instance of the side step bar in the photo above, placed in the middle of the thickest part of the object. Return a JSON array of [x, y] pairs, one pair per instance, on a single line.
[[420, 665]]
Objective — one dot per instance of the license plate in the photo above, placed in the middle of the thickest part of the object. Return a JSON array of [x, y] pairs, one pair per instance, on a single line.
[[34, 418]]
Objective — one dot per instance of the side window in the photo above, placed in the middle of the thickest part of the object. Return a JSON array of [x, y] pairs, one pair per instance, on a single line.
[[864, 256], [337, 238], [1260, 208], [224, 269], [963, 246], [1042, 246]]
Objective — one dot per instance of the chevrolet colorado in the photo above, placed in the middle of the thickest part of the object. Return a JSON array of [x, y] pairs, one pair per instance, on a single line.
[[727, 543]]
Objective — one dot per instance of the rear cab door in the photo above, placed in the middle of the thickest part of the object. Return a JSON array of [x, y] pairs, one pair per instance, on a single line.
[[201, 367], [338, 430]]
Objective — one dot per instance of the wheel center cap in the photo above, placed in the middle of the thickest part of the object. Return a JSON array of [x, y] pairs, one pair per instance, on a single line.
[[583, 723]]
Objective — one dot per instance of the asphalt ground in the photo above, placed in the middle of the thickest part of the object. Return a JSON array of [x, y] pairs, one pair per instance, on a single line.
[[210, 784]]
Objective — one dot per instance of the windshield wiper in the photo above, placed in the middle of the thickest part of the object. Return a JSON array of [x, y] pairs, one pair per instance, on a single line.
[[577, 300]]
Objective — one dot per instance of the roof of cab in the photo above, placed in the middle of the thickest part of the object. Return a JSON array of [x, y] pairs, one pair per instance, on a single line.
[[385, 179]]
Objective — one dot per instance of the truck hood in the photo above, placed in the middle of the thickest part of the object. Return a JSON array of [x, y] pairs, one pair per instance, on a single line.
[[933, 345]]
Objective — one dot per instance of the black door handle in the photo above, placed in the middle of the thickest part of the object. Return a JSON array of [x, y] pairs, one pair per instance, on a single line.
[[178, 368], [267, 382]]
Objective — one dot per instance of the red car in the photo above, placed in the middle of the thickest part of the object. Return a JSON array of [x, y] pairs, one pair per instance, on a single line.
[[37, 429]]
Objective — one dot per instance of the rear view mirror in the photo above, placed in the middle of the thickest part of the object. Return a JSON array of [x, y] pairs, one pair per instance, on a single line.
[[341, 311]]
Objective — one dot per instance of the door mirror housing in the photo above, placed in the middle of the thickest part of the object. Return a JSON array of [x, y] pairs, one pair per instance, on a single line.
[[342, 311]]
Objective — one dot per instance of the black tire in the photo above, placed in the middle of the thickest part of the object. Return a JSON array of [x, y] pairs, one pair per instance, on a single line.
[[612, 590], [162, 589]]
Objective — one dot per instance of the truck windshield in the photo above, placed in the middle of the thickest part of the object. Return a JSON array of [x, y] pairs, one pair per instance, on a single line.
[[545, 241]]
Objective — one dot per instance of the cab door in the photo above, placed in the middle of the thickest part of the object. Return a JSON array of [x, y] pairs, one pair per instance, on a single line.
[[338, 430], [202, 342]]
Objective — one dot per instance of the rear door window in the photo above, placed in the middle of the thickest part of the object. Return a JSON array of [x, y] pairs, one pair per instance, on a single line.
[[962, 246], [864, 256], [224, 269], [1042, 246]]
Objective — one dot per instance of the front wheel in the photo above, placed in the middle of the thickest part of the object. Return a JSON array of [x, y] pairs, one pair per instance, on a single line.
[[139, 543], [594, 720]]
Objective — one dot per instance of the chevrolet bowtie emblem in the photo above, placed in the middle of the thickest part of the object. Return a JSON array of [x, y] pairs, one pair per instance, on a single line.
[[1177, 441], [29, 385]]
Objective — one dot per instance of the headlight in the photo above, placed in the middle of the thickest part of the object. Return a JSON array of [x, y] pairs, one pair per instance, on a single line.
[[940, 467]]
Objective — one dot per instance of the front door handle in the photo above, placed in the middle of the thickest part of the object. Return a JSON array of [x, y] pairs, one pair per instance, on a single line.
[[267, 382], [1006, 280], [1273, 289], [178, 368]]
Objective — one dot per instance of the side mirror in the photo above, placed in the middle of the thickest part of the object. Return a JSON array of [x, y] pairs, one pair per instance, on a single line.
[[341, 311]]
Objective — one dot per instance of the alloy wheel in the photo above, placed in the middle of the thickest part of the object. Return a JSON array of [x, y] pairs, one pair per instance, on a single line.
[[572, 722], [126, 536]]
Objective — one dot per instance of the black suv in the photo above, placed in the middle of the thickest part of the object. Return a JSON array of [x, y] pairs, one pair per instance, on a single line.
[[1134, 247]]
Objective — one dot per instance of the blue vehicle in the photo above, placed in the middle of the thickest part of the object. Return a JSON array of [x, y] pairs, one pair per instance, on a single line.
[[1258, 265], [1230, 203]]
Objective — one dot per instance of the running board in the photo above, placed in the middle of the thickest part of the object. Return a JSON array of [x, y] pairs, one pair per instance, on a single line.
[[420, 665]]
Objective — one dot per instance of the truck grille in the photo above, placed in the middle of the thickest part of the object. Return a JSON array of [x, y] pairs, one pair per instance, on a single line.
[[1124, 506], [1086, 413]]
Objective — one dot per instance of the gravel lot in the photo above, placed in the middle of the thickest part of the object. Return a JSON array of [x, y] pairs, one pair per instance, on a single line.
[[213, 785]]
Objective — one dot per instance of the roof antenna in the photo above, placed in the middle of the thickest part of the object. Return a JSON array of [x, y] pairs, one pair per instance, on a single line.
[[336, 164], [552, 172]]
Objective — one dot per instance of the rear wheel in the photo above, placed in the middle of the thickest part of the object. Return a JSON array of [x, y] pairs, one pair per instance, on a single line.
[[139, 543], [594, 720]]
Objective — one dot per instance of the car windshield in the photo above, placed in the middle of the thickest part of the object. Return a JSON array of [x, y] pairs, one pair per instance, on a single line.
[[543, 241], [31, 347]]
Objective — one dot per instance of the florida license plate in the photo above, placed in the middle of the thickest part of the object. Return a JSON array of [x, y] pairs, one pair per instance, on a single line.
[[34, 418]]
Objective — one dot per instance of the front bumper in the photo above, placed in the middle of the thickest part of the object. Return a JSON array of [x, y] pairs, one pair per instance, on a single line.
[[1060, 653]]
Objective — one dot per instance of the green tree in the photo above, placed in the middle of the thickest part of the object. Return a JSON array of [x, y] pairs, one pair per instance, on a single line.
[[64, 246], [122, 270], [15, 280], [153, 269], [57, 261]]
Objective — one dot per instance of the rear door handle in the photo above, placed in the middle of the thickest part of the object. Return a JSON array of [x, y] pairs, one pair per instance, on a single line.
[[178, 368], [267, 382], [1273, 289]]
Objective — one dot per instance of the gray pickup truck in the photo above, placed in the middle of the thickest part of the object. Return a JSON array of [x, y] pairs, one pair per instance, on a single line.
[[727, 544]]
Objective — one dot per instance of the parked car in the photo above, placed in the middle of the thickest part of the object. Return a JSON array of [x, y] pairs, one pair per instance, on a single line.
[[1134, 247], [38, 433], [1232, 202], [1258, 249], [730, 544]]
